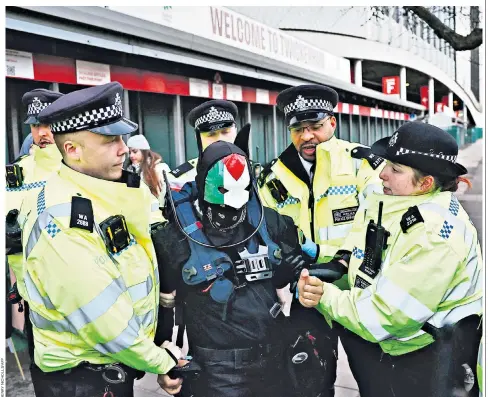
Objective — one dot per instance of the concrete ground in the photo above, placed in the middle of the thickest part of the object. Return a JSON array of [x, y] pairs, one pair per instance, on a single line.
[[472, 200]]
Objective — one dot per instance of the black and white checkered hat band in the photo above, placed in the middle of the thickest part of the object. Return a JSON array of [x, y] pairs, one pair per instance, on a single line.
[[302, 104], [214, 116], [88, 119], [452, 158], [35, 108]]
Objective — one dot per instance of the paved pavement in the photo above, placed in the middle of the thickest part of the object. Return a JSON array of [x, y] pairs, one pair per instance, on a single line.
[[472, 201]]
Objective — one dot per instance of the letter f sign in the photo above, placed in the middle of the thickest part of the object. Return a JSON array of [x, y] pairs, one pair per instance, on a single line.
[[391, 85]]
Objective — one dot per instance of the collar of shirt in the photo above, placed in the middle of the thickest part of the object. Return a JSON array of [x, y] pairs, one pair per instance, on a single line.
[[307, 165]]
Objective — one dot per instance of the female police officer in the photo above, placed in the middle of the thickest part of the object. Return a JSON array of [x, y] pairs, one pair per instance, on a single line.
[[414, 282]]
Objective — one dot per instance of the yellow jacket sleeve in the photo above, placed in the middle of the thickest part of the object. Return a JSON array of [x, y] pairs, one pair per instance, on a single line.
[[403, 296]]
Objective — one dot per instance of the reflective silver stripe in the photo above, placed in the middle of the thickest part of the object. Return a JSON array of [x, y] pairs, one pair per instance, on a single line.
[[123, 341], [395, 296], [411, 337], [42, 221], [98, 305], [45, 324], [368, 316], [141, 290], [146, 319], [338, 231], [453, 316], [34, 293], [156, 274], [154, 206]]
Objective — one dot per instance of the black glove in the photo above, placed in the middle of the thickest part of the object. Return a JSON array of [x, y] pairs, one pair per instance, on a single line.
[[290, 268], [13, 236], [328, 272]]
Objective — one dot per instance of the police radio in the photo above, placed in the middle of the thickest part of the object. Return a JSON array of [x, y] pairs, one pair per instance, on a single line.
[[14, 176], [376, 239], [116, 233], [13, 297]]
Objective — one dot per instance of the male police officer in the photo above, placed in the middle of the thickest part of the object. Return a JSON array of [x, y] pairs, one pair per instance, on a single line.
[[319, 181], [225, 255], [90, 272], [29, 173], [213, 121]]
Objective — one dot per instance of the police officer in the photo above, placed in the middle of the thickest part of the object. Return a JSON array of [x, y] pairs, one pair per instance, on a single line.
[[225, 255], [90, 273], [213, 121], [319, 181], [412, 315], [28, 173]]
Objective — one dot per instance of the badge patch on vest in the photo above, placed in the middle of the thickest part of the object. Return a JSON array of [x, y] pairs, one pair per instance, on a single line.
[[277, 190], [361, 282], [361, 152], [410, 218], [182, 169], [81, 213], [344, 214]]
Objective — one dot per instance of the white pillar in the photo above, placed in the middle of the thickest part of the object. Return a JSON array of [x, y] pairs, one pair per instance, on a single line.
[[15, 130], [55, 87], [179, 131], [126, 104], [275, 132], [450, 102], [465, 115], [358, 72], [403, 83], [248, 114], [431, 97]]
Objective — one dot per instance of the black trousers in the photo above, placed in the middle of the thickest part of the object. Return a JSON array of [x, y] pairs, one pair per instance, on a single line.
[[303, 320], [251, 372], [429, 372], [77, 382]]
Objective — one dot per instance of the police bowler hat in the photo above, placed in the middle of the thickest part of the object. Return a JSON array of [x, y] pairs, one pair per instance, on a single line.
[[97, 109], [213, 115], [424, 147], [311, 102], [36, 101]]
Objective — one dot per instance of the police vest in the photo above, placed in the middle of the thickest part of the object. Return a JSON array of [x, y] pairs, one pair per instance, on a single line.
[[345, 173], [431, 272], [207, 264]]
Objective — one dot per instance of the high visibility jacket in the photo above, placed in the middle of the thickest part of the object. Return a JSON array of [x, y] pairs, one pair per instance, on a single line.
[[324, 210], [431, 272], [86, 303], [35, 169], [185, 172]]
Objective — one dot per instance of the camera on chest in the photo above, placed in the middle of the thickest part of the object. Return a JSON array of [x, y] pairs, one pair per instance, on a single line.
[[116, 233], [14, 176]]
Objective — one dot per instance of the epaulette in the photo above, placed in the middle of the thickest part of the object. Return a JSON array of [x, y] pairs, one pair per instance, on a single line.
[[182, 169], [81, 214], [265, 172], [364, 152], [410, 218]]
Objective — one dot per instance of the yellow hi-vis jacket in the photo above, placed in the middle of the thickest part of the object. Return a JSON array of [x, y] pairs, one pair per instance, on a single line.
[[88, 304], [324, 212], [431, 272], [35, 169]]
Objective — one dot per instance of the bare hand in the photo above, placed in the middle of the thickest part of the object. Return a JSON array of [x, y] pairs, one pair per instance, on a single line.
[[310, 289], [171, 386]]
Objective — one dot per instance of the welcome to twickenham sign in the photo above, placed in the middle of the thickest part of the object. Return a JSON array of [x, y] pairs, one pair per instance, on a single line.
[[231, 28]]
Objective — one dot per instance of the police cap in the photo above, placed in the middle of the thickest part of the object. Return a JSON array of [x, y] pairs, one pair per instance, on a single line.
[[307, 103], [97, 109], [37, 100], [424, 147], [213, 115]]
